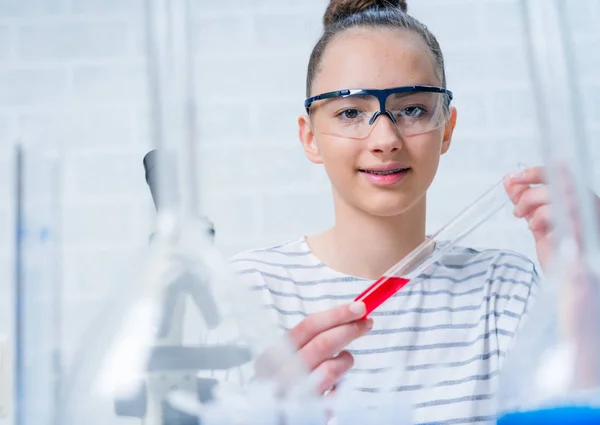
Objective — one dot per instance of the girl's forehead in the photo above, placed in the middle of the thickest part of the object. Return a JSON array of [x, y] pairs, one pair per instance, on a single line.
[[375, 58]]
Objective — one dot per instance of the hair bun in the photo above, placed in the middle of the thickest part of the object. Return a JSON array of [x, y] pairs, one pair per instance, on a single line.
[[341, 9]]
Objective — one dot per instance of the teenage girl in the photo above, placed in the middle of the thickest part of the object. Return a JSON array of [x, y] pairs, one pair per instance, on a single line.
[[378, 118]]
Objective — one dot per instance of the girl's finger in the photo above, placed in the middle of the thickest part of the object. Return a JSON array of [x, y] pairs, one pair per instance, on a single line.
[[530, 199], [514, 190], [332, 341], [540, 222], [331, 370], [317, 323], [529, 176]]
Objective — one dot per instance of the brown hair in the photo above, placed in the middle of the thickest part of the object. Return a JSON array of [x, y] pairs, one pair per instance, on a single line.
[[345, 14]]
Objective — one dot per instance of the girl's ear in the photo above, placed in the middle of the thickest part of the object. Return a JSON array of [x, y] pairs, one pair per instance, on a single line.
[[449, 130], [307, 139]]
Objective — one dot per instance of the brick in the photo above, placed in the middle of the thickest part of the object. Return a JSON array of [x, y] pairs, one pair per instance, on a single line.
[[227, 120], [288, 4], [435, 15], [6, 179], [587, 59], [582, 17], [292, 215], [231, 33], [262, 77], [80, 40], [255, 167], [41, 193], [464, 188], [119, 83], [103, 224], [94, 173], [264, 6], [32, 87], [79, 314], [108, 7], [87, 126], [514, 237], [590, 107], [514, 109], [495, 153], [508, 63], [8, 218], [281, 118], [286, 31], [219, 125], [228, 7], [471, 109], [87, 268], [32, 8], [235, 219], [452, 192], [6, 297], [466, 65], [7, 130], [503, 20], [233, 248], [5, 43]]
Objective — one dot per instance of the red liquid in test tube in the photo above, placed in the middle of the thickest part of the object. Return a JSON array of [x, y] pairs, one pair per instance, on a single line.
[[426, 254], [380, 291]]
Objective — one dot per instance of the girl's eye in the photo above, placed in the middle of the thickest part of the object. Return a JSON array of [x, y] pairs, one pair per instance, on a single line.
[[413, 111], [350, 114]]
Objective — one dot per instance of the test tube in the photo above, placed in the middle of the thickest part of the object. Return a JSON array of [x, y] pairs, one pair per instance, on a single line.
[[434, 247]]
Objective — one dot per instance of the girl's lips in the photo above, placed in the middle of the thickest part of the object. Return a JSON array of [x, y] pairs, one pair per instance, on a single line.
[[386, 178]]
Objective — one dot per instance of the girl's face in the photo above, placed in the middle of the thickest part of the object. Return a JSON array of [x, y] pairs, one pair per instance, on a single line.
[[367, 58]]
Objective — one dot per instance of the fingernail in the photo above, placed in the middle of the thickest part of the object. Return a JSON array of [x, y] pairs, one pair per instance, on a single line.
[[358, 308], [369, 324], [517, 212], [517, 176]]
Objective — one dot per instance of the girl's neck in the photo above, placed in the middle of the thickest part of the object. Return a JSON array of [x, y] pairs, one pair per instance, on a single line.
[[366, 246]]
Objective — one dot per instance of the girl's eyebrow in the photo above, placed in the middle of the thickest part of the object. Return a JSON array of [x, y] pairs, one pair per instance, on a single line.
[[360, 96], [405, 94]]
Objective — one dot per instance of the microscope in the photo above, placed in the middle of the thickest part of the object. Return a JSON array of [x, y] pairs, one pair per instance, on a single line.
[[172, 366]]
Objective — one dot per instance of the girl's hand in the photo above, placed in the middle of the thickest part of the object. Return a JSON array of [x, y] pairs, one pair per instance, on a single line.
[[533, 204], [529, 192], [321, 339]]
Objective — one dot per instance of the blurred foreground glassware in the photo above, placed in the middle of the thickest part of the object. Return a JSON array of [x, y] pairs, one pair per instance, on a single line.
[[134, 355], [552, 375], [37, 379]]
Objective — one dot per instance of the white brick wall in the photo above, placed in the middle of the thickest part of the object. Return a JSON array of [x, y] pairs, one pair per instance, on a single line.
[[71, 75]]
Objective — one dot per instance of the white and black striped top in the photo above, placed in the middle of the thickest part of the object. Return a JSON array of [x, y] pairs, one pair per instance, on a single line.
[[450, 329]]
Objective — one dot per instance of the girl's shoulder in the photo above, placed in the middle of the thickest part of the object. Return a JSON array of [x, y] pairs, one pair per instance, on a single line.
[[503, 270], [290, 252]]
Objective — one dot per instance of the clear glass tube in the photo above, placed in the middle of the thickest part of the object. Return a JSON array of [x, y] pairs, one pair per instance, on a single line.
[[435, 247]]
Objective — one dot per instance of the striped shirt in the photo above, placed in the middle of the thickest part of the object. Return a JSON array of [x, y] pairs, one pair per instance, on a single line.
[[448, 331]]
